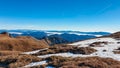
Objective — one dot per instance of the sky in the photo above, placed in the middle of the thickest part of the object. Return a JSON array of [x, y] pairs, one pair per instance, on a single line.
[[78, 15]]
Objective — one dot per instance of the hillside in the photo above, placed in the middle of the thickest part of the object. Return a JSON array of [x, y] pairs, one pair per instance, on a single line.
[[107, 46], [115, 35], [20, 43]]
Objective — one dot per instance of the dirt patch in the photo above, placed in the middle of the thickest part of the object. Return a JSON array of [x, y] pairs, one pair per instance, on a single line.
[[15, 61], [66, 48]]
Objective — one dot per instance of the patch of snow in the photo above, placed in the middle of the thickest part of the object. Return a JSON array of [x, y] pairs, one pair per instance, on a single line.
[[110, 47], [35, 64], [33, 52], [85, 43], [58, 54]]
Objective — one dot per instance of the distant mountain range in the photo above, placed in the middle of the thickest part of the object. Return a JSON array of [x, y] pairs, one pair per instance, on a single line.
[[57, 37]]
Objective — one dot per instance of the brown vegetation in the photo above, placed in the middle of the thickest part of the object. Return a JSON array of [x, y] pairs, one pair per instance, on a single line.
[[5, 53], [61, 62], [115, 35], [88, 62], [15, 61], [66, 48], [117, 51], [21, 43], [98, 44]]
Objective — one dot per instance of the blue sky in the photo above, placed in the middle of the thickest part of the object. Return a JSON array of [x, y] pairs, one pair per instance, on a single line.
[[81, 15]]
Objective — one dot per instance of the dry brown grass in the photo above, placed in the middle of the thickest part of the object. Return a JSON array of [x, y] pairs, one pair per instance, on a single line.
[[15, 61], [88, 62], [117, 51], [21, 43], [115, 35], [66, 48], [98, 44], [5, 53]]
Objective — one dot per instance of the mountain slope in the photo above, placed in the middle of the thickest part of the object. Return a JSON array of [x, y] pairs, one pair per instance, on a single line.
[[115, 35], [107, 46], [20, 43]]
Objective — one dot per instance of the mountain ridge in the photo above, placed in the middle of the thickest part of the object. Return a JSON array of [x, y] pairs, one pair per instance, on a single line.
[[60, 37]]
